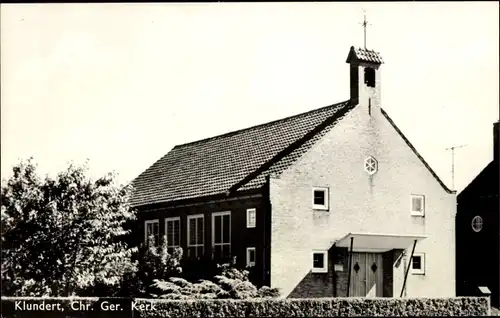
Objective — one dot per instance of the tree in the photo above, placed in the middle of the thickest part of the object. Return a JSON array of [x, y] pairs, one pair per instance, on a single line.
[[63, 235]]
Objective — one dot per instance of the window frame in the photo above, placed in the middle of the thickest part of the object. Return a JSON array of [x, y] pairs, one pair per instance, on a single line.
[[173, 219], [249, 263], [375, 165], [326, 206], [417, 213], [249, 224], [481, 221], [188, 232], [323, 269], [146, 223], [420, 271], [214, 215]]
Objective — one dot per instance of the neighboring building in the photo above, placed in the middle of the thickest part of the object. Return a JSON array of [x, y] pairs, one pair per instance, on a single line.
[[289, 197], [478, 232]]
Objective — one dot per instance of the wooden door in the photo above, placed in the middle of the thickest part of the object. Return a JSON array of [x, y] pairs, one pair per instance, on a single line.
[[366, 275]]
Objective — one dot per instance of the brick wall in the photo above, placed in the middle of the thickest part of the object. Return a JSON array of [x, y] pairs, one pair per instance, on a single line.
[[360, 203], [241, 236]]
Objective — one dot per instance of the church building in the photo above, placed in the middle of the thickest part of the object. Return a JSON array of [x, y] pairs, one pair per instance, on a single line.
[[333, 202]]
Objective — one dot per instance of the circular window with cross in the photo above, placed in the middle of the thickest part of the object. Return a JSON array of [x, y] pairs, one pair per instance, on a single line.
[[371, 165], [477, 223]]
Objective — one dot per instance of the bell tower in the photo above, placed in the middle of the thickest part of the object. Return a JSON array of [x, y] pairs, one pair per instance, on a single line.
[[365, 76]]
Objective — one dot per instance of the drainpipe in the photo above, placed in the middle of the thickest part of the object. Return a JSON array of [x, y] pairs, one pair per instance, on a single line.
[[408, 268], [350, 266], [333, 259]]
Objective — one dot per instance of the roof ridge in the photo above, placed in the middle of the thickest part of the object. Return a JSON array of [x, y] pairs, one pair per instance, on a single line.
[[341, 110], [258, 125]]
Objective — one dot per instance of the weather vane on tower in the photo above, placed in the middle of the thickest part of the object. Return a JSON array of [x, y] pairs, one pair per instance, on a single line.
[[364, 24]]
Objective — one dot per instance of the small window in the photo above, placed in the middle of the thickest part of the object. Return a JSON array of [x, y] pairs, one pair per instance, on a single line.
[[369, 77], [418, 264], [320, 198], [417, 205], [152, 228], [477, 223], [320, 262], [250, 256], [251, 218], [371, 165]]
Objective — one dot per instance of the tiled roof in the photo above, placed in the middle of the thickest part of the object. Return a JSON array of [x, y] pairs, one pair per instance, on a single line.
[[364, 55], [238, 160], [297, 152]]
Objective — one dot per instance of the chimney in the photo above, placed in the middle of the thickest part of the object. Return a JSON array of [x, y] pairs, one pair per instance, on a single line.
[[495, 141], [365, 76]]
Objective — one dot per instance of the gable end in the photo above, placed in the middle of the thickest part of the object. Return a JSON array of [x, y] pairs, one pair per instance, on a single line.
[[417, 154], [344, 108]]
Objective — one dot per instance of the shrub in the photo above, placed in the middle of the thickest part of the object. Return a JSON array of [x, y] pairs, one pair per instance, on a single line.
[[244, 290], [181, 282], [322, 307], [267, 292], [156, 265], [231, 283]]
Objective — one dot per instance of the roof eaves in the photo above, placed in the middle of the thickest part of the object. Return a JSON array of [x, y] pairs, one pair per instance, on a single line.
[[417, 154], [194, 200]]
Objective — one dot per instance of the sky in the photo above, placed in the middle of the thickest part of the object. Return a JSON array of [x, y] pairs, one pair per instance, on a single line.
[[122, 84]]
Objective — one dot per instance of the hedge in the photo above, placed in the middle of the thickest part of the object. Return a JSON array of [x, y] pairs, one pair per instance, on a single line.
[[318, 307]]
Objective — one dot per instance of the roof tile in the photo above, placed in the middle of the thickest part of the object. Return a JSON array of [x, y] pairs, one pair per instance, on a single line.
[[212, 166], [365, 55]]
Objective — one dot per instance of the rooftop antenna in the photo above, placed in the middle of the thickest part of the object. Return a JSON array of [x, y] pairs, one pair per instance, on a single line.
[[364, 24], [453, 164]]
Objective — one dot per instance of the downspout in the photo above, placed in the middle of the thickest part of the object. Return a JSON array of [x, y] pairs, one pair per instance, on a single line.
[[408, 268], [266, 244], [334, 257], [350, 266]]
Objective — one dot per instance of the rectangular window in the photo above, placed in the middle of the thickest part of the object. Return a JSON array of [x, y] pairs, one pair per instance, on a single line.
[[173, 233], [251, 218], [221, 235], [320, 198], [369, 77], [195, 236], [418, 264], [250, 256], [320, 262], [417, 205], [152, 228]]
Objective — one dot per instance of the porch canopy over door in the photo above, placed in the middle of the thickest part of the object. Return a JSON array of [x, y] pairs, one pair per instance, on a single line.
[[377, 243]]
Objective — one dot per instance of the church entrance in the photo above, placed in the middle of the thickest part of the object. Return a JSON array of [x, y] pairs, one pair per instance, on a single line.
[[366, 275]]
